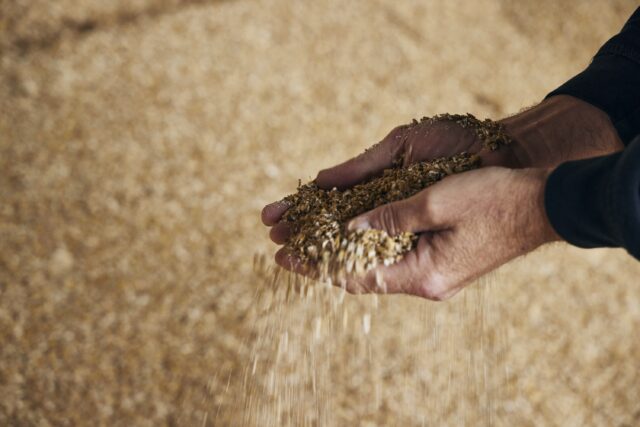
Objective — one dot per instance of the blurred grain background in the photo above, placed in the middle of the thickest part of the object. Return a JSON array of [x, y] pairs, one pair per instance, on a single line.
[[139, 141]]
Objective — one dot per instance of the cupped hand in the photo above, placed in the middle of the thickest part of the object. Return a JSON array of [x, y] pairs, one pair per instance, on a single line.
[[405, 144], [468, 224], [559, 129]]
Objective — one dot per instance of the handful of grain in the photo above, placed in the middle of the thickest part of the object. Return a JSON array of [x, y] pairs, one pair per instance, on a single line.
[[318, 217]]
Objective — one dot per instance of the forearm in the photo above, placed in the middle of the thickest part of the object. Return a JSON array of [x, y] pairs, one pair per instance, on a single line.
[[611, 82], [560, 129], [595, 202], [593, 114]]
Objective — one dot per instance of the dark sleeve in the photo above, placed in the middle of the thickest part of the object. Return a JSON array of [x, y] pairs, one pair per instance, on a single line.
[[612, 81], [596, 202]]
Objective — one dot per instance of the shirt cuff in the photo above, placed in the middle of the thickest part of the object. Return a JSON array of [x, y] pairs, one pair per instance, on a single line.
[[596, 202]]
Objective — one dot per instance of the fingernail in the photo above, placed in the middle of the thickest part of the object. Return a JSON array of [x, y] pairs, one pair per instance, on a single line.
[[358, 224]]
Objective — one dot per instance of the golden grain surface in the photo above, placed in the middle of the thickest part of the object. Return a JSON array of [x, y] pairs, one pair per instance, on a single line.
[[138, 143]]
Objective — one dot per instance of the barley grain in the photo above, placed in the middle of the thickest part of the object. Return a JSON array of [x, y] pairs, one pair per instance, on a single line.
[[318, 217]]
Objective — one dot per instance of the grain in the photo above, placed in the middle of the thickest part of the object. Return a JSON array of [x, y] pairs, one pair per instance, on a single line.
[[318, 217], [125, 148]]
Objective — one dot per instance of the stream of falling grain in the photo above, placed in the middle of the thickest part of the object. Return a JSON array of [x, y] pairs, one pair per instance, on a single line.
[[321, 357]]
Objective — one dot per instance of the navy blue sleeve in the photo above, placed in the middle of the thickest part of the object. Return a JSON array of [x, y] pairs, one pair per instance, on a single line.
[[596, 202], [612, 81]]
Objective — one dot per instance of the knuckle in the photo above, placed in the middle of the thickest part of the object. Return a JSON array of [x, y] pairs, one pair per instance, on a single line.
[[393, 144], [439, 297], [397, 131], [323, 172], [435, 288], [389, 219], [433, 295], [427, 207], [352, 289]]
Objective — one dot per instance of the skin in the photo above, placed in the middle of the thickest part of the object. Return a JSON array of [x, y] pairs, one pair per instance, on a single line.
[[470, 223]]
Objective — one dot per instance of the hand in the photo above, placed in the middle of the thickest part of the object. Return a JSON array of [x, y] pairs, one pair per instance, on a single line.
[[559, 129], [407, 144], [468, 225]]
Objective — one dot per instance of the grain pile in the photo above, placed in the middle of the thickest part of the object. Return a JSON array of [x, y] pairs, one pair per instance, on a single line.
[[317, 218], [136, 155]]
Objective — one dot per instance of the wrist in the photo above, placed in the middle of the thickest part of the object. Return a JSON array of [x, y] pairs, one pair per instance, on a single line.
[[559, 129], [543, 230]]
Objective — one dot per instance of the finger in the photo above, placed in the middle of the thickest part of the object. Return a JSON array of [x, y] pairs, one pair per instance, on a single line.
[[415, 214], [416, 274], [280, 233], [505, 157], [287, 261], [272, 213], [366, 165], [403, 277], [292, 263]]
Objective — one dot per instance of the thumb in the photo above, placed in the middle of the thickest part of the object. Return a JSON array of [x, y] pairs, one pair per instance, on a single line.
[[366, 165], [408, 215]]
